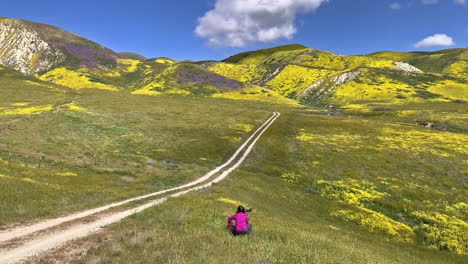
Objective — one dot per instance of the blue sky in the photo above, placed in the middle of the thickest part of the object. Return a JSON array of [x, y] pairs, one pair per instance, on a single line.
[[156, 28]]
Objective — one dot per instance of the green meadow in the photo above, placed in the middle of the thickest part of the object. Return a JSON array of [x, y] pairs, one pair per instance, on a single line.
[[325, 189], [65, 151], [368, 188]]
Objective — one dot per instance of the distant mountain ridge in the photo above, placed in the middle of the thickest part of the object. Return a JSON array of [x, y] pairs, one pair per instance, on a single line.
[[316, 77], [310, 76]]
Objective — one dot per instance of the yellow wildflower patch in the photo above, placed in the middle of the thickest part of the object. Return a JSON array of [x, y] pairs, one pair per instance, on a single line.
[[379, 88], [75, 107], [240, 72], [256, 93], [164, 61], [443, 231], [66, 174], [55, 186], [178, 91], [233, 139], [133, 135], [131, 65], [27, 110], [242, 127], [230, 201], [459, 68], [295, 79], [436, 142], [357, 108], [334, 139], [147, 90], [20, 104], [451, 89], [350, 191], [291, 177], [162, 84], [377, 222], [74, 79]]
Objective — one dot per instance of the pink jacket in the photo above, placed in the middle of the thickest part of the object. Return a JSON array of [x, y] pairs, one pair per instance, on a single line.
[[242, 221]]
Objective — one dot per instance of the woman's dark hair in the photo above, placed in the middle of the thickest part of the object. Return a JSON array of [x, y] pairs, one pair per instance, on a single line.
[[241, 209]]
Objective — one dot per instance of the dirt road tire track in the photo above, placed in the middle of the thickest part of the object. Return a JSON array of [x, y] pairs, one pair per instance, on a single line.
[[21, 231], [50, 241]]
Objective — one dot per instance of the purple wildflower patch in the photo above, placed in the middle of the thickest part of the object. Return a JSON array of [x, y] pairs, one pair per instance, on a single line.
[[89, 57], [87, 53], [197, 76]]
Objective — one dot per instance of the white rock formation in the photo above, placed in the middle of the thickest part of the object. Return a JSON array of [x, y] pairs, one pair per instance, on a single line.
[[22, 49], [333, 83], [270, 76], [406, 67]]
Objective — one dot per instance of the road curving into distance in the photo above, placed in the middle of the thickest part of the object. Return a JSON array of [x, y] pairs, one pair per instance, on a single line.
[[49, 240]]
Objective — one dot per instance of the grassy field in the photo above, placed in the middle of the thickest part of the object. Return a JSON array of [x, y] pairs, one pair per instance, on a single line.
[[90, 148], [370, 185], [325, 189]]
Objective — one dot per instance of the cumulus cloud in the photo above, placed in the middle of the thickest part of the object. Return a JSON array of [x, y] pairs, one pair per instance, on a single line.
[[459, 2], [429, 2], [395, 6], [434, 41], [236, 23]]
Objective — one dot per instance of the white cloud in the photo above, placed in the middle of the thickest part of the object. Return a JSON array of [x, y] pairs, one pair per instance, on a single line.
[[395, 6], [429, 2], [459, 2], [434, 41], [236, 23]]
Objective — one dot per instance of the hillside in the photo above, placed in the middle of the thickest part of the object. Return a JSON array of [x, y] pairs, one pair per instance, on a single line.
[[35, 48], [451, 62], [312, 76], [132, 56], [56, 56]]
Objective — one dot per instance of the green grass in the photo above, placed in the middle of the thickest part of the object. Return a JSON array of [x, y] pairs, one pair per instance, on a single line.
[[295, 218], [20, 94], [132, 55], [289, 227], [259, 55], [119, 145], [307, 169]]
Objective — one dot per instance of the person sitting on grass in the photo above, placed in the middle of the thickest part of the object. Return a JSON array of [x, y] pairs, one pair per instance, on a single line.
[[242, 225]]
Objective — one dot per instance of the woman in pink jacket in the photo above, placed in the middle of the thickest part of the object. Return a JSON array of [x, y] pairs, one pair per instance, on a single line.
[[242, 225]]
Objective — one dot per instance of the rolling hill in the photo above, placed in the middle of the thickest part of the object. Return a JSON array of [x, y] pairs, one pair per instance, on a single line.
[[36, 48], [312, 76]]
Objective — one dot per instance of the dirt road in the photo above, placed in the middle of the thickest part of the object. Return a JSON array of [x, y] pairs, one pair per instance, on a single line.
[[22, 242]]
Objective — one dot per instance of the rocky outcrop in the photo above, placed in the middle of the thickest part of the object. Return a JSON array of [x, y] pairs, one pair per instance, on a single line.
[[22, 49], [33, 48], [270, 76], [322, 88], [406, 67]]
